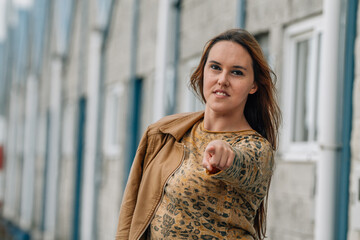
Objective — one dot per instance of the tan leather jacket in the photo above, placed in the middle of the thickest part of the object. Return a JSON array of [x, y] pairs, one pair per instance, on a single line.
[[159, 154]]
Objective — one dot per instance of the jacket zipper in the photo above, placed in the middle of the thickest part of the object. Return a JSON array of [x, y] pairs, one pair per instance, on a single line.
[[162, 193]]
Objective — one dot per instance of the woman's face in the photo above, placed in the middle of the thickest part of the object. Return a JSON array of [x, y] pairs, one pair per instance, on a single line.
[[228, 78]]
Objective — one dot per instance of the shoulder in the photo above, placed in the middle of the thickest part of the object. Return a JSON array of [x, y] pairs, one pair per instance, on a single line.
[[176, 124], [256, 141], [257, 148], [175, 118]]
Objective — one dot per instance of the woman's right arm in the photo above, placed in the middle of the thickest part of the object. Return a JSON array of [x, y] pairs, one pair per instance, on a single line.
[[251, 167]]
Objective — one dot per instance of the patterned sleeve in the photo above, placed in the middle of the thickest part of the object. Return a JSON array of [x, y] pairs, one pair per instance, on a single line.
[[253, 164]]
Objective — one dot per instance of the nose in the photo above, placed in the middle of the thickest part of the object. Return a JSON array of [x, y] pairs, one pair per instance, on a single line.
[[223, 80]]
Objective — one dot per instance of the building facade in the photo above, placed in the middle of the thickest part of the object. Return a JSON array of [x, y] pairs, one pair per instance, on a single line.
[[81, 80]]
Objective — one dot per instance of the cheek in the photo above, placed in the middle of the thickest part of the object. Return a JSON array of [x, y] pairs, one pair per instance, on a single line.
[[209, 78], [243, 91], [206, 83], [205, 89]]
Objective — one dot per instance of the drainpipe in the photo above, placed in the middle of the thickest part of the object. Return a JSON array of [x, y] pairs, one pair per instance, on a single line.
[[11, 118], [329, 119], [240, 14], [91, 141], [55, 106], [28, 181], [344, 169], [81, 124], [171, 106], [132, 123]]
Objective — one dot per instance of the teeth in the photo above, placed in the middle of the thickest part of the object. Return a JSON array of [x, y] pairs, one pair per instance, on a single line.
[[221, 93]]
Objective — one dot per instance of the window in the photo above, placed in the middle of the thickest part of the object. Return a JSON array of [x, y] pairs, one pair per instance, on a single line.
[[190, 102], [167, 58], [104, 8], [63, 18], [68, 130], [300, 82], [263, 40], [111, 127]]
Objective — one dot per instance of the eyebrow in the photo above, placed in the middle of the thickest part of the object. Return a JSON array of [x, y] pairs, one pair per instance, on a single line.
[[235, 66]]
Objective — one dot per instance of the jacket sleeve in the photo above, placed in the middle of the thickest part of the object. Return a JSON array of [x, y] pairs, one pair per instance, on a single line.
[[252, 167], [131, 190]]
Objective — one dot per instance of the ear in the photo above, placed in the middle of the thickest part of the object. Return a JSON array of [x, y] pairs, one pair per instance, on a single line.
[[254, 88]]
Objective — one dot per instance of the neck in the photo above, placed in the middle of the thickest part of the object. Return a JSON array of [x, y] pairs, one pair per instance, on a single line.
[[219, 122]]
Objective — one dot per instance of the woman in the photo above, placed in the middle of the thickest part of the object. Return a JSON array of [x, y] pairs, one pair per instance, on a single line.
[[206, 175]]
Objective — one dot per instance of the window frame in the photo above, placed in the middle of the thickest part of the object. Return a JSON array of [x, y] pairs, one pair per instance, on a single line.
[[190, 101], [103, 11], [167, 59], [64, 11], [309, 29], [112, 122]]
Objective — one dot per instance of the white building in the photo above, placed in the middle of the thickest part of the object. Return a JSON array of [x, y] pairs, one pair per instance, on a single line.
[[81, 80]]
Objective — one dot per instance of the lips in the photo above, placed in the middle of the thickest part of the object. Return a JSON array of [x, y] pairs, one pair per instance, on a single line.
[[220, 92]]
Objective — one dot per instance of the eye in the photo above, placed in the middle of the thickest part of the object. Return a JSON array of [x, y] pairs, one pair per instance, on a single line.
[[215, 67], [238, 73]]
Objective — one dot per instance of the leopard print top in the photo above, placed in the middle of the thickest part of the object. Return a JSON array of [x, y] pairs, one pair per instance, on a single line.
[[197, 205]]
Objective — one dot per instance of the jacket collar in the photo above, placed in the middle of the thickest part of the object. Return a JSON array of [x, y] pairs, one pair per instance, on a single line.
[[180, 124]]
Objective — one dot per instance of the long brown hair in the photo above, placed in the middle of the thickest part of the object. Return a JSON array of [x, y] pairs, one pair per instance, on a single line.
[[261, 109]]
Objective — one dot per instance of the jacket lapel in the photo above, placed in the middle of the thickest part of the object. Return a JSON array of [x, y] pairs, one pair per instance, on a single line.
[[179, 126]]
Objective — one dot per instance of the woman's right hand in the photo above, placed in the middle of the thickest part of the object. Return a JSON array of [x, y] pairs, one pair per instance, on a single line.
[[218, 155]]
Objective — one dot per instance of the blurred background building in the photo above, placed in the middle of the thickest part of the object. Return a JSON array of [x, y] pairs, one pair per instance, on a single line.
[[80, 80]]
